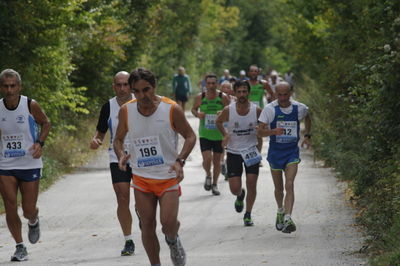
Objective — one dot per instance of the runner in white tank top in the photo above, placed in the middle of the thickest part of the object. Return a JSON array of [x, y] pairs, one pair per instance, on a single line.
[[108, 119], [21, 143], [241, 142], [152, 124]]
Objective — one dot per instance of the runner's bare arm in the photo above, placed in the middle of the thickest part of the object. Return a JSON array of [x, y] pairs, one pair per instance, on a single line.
[[307, 140], [263, 130], [118, 143], [221, 118], [97, 140], [45, 125], [195, 108], [183, 127]]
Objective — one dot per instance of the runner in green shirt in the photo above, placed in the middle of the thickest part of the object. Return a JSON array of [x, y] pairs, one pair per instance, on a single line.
[[206, 106]]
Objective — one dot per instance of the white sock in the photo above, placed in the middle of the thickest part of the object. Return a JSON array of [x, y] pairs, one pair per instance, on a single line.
[[20, 243], [35, 223], [280, 210], [128, 237], [287, 217]]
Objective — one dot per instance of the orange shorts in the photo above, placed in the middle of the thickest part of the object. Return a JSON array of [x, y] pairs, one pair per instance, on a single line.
[[155, 186]]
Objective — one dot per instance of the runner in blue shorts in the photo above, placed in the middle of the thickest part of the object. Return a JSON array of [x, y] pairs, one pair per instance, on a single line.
[[281, 121], [23, 130]]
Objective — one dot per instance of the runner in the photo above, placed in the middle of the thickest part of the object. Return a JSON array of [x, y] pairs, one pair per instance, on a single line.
[[120, 179], [259, 88], [281, 121], [210, 103], [181, 86], [20, 159], [241, 142], [151, 124]]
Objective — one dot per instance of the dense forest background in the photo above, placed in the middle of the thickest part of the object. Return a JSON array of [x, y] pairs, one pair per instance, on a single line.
[[345, 56]]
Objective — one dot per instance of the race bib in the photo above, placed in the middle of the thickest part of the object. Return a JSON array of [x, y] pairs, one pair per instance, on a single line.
[[209, 122], [13, 145], [148, 151], [290, 131], [251, 156]]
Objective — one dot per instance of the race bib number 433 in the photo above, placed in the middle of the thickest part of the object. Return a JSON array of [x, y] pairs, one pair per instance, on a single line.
[[148, 151], [290, 131], [13, 145]]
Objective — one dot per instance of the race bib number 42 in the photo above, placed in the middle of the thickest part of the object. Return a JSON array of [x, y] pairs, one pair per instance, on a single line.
[[290, 131], [13, 146], [148, 151]]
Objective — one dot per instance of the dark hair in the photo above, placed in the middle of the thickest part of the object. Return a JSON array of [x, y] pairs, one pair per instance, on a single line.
[[241, 83], [144, 74], [210, 75]]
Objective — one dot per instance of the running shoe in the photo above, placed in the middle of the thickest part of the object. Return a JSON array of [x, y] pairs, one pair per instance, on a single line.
[[34, 232], [207, 183], [178, 254], [289, 226], [239, 201], [247, 220], [129, 248], [279, 221], [223, 169], [20, 253], [215, 190]]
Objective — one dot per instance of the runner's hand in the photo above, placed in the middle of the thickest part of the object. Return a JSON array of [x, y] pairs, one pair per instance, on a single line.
[[95, 143], [36, 150], [306, 143], [225, 141], [278, 131], [201, 115], [123, 160], [178, 170]]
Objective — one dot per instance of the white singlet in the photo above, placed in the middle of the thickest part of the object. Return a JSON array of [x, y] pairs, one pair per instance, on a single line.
[[153, 140], [19, 132], [241, 129]]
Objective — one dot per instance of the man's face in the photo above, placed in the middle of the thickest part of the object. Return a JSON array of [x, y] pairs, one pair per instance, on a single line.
[[143, 92], [242, 94], [283, 94], [121, 85], [211, 83], [253, 73], [10, 87], [227, 88]]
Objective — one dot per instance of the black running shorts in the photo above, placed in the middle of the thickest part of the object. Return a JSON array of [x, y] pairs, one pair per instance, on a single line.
[[118, 176], [235, 163]]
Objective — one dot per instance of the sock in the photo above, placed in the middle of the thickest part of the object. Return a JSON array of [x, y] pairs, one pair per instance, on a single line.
[[128, 237], [171, 241], [35, 223], [20, 243], [280, 210], [287, 217]]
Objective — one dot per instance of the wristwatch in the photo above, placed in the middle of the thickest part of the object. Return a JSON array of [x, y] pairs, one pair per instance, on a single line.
[[181, 161], [40, 142]]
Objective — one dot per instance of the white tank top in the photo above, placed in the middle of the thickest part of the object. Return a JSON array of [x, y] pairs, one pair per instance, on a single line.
[[153, 140], [19, 132], [241, 129], [113, 125]]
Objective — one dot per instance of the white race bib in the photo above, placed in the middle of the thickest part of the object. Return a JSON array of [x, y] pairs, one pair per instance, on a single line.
[[290, 131], [251, 156], [13, 145], [148, 151], [209, 122]]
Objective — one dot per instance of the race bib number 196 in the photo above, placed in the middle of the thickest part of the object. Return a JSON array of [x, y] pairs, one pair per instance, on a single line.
[[148, 151]]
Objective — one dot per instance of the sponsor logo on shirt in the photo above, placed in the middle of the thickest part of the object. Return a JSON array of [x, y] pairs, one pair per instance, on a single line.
[[20, 119]]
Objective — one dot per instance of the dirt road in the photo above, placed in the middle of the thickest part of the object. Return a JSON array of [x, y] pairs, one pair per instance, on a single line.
[[80, 227]]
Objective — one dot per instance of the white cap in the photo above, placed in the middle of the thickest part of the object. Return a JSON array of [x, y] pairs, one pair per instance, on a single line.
[[274, 73], [242, 72]]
